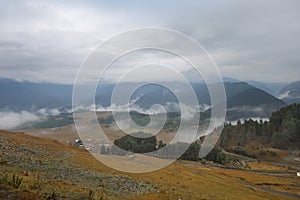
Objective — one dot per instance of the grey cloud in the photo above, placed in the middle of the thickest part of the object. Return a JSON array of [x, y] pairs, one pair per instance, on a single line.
[[250, 36], [47, 41], [7, 44], [10, 120]]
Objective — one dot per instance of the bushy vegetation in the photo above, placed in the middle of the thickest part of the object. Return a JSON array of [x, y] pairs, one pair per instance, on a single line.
[[137, 142], [192, 152], [282, 131], [140, 118], [14, 181], [267, 152], [108, 120], [241, 151], [147, 143]]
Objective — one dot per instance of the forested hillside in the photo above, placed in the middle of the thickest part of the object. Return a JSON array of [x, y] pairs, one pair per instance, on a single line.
[[281, 132]]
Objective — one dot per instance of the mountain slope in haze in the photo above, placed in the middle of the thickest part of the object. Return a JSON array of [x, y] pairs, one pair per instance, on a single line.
[[252, 102], [261, 85], [275, 86], [237, 94], [272, 88], [290, 93], [18, 96], [243, 100]]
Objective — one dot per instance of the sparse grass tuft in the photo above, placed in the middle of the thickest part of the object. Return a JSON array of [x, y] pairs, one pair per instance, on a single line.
[[15, 181]]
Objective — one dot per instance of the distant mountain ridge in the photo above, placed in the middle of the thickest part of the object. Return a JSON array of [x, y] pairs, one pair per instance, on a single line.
[[25, 95], [243, 99], [262, 86], [272, 88]]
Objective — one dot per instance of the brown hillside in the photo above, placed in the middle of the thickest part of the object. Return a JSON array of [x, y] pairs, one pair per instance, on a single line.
[[51, 170]]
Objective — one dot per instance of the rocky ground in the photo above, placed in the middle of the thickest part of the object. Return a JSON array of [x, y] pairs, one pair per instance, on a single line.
[[33, 158], [41, 168]]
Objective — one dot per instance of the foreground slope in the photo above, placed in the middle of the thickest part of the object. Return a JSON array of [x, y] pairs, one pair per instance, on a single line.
[[50, 170]]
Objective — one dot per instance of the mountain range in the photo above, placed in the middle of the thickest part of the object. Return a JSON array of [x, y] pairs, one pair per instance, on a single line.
[[244, 99], [17, 96]]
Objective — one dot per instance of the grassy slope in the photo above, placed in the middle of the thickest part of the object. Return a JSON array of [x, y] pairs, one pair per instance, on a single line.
[[70, 173]]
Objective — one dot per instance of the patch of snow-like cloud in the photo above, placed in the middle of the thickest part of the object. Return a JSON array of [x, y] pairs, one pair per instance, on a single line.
[[255, 109], [186, 110], [10, 120], [203, 107], [46, 111], [284, 95]]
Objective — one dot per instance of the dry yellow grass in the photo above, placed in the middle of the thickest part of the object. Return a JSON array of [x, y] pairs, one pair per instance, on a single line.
[[176, 181], [262, 166]]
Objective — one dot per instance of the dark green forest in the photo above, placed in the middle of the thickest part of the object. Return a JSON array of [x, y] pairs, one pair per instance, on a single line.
[[137, 142], [147, 143], [281, 132]]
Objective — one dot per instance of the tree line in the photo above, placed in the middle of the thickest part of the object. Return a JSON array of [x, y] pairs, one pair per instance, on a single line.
[[146, 143], [282, 131]]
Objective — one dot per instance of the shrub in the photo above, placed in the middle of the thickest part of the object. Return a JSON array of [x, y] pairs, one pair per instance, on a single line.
[[15, 180], [273, 153], [262, 152]]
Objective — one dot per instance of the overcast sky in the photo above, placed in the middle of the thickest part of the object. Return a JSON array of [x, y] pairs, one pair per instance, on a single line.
[[48, 40]]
